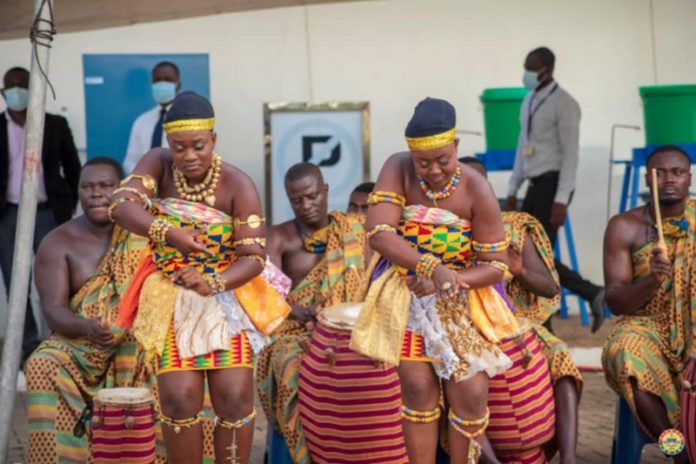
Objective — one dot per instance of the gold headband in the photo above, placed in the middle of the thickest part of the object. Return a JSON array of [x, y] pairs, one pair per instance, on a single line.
[[431, 141], [186, 125]]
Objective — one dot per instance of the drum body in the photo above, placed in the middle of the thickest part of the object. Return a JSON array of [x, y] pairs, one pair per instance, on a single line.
[[123, 426], [521, 402], [349, 404], [687, 400]]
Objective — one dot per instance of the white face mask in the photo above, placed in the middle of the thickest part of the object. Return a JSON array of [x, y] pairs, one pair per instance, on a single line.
[[530, 79]]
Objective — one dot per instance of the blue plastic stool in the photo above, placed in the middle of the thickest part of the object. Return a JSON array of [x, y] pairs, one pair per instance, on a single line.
[[276, 449], [629, 438], [572, 256]]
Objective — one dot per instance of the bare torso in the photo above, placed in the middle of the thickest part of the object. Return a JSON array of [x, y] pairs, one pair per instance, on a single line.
[[287, 251]]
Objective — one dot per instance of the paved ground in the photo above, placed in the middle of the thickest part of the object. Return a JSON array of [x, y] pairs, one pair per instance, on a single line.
[[596, 412]]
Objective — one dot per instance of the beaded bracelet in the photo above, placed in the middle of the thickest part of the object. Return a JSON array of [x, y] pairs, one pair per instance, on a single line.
[[426, 266], [499, 265], [380, 228], [250, 241], [147, 181], [216, 282], [256, 258], [115, 204], [158, 230], [145, 200], [494, 247], [386, 197]]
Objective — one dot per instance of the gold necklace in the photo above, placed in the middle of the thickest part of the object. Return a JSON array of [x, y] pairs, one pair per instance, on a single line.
[[205, 190]]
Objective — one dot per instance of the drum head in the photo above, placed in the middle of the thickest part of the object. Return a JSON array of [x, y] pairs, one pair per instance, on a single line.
[[123, 396], [341, 316]]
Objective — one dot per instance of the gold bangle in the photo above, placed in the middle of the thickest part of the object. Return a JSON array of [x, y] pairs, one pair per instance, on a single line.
[[158, 231], [147, 181], [115, 204], [260, 241], [253, 221], [256, 258], [499, 265], [380, 228], [217, 283]]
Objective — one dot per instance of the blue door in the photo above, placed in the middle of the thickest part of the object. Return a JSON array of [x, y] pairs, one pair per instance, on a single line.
[[117, 90]]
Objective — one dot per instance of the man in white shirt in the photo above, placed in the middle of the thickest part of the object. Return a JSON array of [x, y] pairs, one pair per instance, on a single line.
[[547, 156], [146, 132]]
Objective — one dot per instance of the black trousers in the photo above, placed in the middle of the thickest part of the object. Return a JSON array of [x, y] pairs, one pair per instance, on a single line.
[[45, 222], [538, 202]]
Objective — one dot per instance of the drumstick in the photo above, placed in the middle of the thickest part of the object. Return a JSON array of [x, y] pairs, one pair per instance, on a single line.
[[658, 215]]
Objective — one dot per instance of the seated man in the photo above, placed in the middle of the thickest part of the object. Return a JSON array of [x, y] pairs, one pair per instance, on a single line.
[[357, 203], [533, 287], [650, 288], [324, 256], [82, 269]]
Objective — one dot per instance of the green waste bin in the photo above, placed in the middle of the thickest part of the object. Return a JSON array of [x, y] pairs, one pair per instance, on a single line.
[[669, 114], [501, 116]]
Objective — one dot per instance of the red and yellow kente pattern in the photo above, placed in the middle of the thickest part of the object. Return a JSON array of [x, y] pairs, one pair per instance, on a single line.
[[413, 348], [239, 355]]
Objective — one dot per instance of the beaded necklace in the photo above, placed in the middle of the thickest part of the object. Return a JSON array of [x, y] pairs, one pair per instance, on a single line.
[[202, 191], [444, 192]]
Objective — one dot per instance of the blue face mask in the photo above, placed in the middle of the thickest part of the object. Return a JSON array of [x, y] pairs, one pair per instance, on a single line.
[[17, 98], [163, 92], [530, 79]]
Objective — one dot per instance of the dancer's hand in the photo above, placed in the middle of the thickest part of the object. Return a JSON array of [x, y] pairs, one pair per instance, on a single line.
[[303, 314], [514, 260], [99, 334], [190, 278], [446, 282], [660, 266], [186, 241], [420, 287]]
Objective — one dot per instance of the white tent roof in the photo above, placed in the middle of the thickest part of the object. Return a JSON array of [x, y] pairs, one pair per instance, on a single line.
[[77, 15]]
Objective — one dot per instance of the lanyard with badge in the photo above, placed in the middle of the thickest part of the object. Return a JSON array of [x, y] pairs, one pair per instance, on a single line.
[[529, 148]]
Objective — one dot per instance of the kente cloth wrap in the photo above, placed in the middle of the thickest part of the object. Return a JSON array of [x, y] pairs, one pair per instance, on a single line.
[[461, 338], [534, 308], [339, 277], [204, 327], [521, 402], [65, 372], [653, 345], [349, 406], [519, 226]]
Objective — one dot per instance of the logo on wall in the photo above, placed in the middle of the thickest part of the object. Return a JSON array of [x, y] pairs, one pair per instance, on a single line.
[[334, 137], [324, 145]]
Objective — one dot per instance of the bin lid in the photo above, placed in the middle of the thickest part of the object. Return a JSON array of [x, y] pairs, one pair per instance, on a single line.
[[677, 89], [503, 94]]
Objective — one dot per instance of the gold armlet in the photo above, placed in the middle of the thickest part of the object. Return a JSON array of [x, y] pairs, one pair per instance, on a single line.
[[116, 203], [494, 247], [260, 241], [147, 181], [386, 197], [380, 228], [254, 221], [256, 258]]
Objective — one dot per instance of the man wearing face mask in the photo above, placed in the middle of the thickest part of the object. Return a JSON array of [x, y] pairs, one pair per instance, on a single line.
[[547, 156], [147, 132], [59, 175]]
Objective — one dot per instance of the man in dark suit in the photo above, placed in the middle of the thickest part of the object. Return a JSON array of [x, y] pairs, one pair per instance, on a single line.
[[58, 180]]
